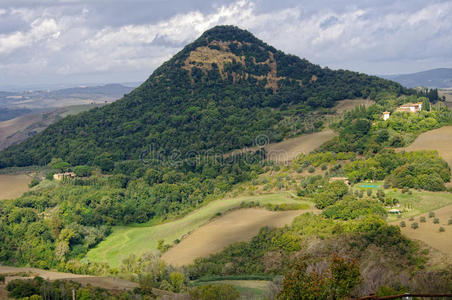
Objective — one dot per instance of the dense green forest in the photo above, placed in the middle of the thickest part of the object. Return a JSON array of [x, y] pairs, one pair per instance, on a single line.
[[217, 94]]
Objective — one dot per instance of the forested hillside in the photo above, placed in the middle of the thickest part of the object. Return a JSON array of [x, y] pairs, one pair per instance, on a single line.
[[217, 94]]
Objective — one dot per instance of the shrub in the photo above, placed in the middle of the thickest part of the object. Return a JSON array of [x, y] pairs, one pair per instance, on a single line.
[[449, 222], [215, 291], [436, 221], [324, 167], [415, 225], [441, 229], [311, 169], [431, 214], [369, 192], [34, 182], [422, 220], [402, 224], [411, 218]]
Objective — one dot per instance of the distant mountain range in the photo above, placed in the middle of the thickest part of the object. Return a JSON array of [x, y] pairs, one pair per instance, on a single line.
[[435, 78]]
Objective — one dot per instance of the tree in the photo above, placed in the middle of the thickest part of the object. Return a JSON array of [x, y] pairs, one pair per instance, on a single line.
[[62, 166], [344, 277], [335, 283], [177, 281], [83, 171], [425, 103], [214, 292]]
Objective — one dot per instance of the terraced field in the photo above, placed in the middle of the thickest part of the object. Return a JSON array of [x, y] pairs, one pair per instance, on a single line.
[[126, 240]]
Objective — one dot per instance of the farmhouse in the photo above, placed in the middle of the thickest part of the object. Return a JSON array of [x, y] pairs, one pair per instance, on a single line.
[[344, 179], [410, 107], [60, 176]]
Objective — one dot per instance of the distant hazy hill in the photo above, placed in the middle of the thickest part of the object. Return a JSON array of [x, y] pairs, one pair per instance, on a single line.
[[114, 90], [435, 78], [218, 94], [14, 104]]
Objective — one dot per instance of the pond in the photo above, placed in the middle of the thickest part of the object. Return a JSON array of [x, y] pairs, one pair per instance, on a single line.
[[370, 185]]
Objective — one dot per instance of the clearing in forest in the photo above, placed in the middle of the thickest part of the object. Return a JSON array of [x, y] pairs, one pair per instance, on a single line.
[[13, 186], [137, 240], [236, 226], [289, 149]]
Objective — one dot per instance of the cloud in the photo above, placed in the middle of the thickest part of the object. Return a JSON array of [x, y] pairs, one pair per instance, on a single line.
[[55, 40]]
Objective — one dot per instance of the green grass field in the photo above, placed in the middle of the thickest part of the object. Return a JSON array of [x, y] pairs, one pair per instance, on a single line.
[[126, 240], [418, 202], [249, 289]]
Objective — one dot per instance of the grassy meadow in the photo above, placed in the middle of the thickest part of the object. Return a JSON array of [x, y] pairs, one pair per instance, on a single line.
[[126, 240], [249, 289]]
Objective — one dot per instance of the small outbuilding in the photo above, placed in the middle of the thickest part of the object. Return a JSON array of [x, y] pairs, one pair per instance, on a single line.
[[343, 179], [386, 115], [410, 107], [60, 176]]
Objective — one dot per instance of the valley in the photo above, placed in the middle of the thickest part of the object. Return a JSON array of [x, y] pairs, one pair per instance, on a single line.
[[234, 171], [137, 240], [19, 129], [236, 226]]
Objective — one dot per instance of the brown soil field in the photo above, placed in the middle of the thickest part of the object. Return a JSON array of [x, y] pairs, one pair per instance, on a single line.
[[439, 139], [10, 127], [236, 226], [348, 104], [13, 186], [102, 282], [288, 150], [428, 232]]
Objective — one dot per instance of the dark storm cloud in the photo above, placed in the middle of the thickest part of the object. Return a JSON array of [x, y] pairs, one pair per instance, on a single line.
[[102, 41]]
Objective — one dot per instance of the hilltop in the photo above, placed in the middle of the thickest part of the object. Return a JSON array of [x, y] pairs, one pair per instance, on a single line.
[[216, 94]]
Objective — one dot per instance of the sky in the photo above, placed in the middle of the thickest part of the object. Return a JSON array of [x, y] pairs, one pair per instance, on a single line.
[[104, 41]]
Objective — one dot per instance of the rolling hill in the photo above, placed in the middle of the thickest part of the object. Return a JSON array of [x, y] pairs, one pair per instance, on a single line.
[[215, 95], [435, 78]]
